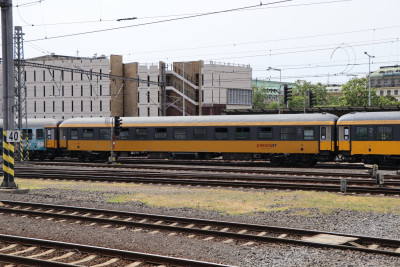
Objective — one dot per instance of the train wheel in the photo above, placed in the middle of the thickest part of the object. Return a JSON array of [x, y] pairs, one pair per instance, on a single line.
[[275, 161]]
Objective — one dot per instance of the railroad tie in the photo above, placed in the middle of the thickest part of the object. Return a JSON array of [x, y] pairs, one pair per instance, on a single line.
[[262, 234], [142, 221], [356, 245], [373, 246], [159, 222], [154, 232], [206, 227], [88, 258], [66, 255], [113, 217], [109, 262], [47, 252], [23, 251], [172, 234], [224, 230], [191, 236], [242, 231], [397, 250], [9, 247], [135, 264], [248, 243], [174, 224], [189, 226], [208, 238], [282, 236]]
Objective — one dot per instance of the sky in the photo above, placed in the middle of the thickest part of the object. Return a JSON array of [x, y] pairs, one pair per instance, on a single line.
[[314, 40]]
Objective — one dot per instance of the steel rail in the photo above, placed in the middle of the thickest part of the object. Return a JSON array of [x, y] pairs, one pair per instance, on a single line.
[[392, 244], [124, 254], [188, 179]]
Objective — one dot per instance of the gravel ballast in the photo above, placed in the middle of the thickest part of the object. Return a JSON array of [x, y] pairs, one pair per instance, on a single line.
[[370, 224]]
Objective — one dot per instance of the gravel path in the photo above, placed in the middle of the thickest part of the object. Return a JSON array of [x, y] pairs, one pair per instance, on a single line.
[[380, 225]]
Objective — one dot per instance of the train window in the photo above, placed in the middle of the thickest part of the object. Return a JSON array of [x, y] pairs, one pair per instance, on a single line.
[[221, 133], [141, 133], [384, 133], [39, 134], [200, 133], [29, 133], [265, 133], [124, 134], [242, 133], [105, 134], [160, 133], [180, 134], [346, 133], [323, 133], [88, 134], [74, 134], [288, 133], [362, 133], [309, 133]]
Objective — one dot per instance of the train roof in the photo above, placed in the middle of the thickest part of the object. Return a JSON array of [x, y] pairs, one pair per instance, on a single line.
[[387, 117], [40, 122], [304, 119]]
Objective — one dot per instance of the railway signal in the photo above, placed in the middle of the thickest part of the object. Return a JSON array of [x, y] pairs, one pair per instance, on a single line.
[[287, 93], [117, 125], [311, 99]]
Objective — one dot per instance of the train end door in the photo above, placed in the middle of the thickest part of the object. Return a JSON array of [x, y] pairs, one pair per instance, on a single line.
[[325, 139], [344, 138]]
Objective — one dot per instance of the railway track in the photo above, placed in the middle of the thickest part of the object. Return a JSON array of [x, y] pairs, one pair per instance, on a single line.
[[318, 181], [208, 230], [38, 252], [237, 163], [219, 169]]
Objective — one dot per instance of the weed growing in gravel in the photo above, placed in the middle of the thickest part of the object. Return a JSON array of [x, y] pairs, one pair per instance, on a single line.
[[225, 201]]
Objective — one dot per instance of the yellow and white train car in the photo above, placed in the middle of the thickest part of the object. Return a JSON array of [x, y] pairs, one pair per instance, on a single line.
[[298, 138]]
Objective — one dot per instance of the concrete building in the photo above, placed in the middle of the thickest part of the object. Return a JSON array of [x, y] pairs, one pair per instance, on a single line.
[[198, 88], [386, 80]]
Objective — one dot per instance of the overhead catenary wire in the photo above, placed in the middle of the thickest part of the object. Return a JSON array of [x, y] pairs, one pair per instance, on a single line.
[[157, 22]]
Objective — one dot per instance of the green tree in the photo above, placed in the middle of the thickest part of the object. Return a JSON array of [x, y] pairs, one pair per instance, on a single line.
[[259, 97], [355, 93], [300, 94]]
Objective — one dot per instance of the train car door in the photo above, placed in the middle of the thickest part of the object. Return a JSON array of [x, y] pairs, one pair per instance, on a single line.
[[344, 138], [325, 139]]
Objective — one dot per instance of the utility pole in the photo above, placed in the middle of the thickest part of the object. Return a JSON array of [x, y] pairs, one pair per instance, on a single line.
[[279, 91], [183, 89], [8, 92], [163, 89], [21, 121], [369, 77]]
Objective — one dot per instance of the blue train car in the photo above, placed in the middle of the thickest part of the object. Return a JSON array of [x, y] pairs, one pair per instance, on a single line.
[[36, 136]]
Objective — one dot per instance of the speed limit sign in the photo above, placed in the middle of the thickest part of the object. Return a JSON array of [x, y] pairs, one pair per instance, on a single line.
[[13, 136]]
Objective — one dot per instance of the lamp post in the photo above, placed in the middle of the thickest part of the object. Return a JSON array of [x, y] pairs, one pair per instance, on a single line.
[[279, 91], [369, 77]]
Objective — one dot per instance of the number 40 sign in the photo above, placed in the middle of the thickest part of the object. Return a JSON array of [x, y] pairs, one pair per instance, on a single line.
[[13, 136]]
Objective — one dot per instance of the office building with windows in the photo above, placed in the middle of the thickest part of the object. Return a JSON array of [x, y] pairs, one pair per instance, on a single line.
[[386, 80]]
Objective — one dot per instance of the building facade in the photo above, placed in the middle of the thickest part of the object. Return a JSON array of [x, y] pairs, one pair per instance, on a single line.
[[192, 88], [386, 81]]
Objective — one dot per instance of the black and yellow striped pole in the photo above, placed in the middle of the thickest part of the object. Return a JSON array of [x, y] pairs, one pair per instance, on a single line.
[[8, 163]]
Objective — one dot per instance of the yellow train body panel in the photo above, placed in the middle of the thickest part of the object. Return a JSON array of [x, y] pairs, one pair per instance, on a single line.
[[344, 145], [51, 144], [375, 147], [63, 143], [301, 147]]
